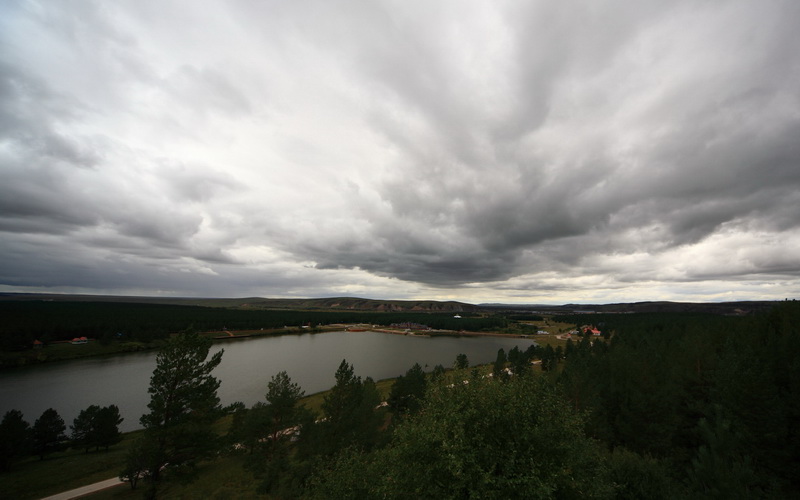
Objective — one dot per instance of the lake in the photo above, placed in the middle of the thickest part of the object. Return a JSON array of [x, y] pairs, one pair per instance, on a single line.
[[310, 360]]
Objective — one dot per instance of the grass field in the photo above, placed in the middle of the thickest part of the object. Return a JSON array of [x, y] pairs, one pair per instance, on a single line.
[[34, 478]]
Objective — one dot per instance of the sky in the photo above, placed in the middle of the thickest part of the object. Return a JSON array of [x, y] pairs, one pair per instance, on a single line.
[[504, 151]]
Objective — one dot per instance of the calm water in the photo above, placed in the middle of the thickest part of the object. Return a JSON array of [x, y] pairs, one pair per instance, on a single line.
[[247, 365]]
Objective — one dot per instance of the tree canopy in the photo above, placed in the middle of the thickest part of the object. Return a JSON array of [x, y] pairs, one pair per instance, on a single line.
[[478, 440]]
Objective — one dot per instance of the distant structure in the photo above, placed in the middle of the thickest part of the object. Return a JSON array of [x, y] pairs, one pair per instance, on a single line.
[[591, 329], [411, 326]]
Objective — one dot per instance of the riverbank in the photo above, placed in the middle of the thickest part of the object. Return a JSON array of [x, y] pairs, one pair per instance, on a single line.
[[65, 351]]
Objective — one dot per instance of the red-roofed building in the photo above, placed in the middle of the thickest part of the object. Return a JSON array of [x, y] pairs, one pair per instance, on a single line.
[[591, 329]]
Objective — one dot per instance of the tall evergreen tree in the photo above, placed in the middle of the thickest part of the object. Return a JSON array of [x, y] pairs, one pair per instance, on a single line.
[[349, 411], [267, 424], [548, 358], [498, 369], [83, 428], [438, 372], [408, 392], [106, 427], [48, 433], [15, 438], [96, 427], [520, 363], [269, 430], [183, 406]]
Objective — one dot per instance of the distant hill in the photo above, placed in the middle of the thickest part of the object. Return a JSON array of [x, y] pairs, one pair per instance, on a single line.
[[375, 305], [360, 304], [726, 308], [326, 304]]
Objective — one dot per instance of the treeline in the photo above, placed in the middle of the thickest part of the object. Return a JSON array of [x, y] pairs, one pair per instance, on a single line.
[[651, 322], [662, 409], [525, 317], [95, 427], [26, 321], [711, 400]]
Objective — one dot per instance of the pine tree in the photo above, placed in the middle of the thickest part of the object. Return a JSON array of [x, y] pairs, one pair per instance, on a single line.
[[498, 369], [349, 411], [408, 392], [269, 430], [48, 433], [106, 427], [183, 407], [83, 427], [15, 438]]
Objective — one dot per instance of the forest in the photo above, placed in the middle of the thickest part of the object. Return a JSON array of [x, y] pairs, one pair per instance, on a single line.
[[659, 406], [26, 321], [668, 407]]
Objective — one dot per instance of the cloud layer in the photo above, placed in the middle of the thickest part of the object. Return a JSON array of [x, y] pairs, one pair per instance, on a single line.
[[545, 152]]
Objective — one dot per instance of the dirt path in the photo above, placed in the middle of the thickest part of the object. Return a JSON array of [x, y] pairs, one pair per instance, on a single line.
[[85, 490]]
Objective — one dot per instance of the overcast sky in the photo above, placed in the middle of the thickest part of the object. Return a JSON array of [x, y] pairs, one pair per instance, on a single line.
[[504, 151]]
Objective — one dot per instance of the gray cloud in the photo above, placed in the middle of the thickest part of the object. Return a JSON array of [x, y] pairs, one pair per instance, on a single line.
[[462, 148]]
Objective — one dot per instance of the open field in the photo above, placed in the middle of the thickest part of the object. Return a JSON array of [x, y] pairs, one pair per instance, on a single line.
[[34, 478]]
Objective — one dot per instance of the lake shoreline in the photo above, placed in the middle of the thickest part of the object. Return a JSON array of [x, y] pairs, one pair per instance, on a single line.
[[39, 356]]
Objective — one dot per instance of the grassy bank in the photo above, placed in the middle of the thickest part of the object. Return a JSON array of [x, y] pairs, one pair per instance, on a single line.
[[62, 471]]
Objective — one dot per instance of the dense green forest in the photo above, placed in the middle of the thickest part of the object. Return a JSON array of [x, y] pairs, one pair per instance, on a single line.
[[668, 406], [26, 321], [672, 406]]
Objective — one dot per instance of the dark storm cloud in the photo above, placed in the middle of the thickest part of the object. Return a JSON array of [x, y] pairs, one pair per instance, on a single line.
[[548, 146], [720, 143], [41, 192]]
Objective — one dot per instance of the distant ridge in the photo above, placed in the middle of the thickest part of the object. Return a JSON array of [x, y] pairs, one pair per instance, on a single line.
[[377, 305], [361, 304], [331, 303], [728, 308]]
